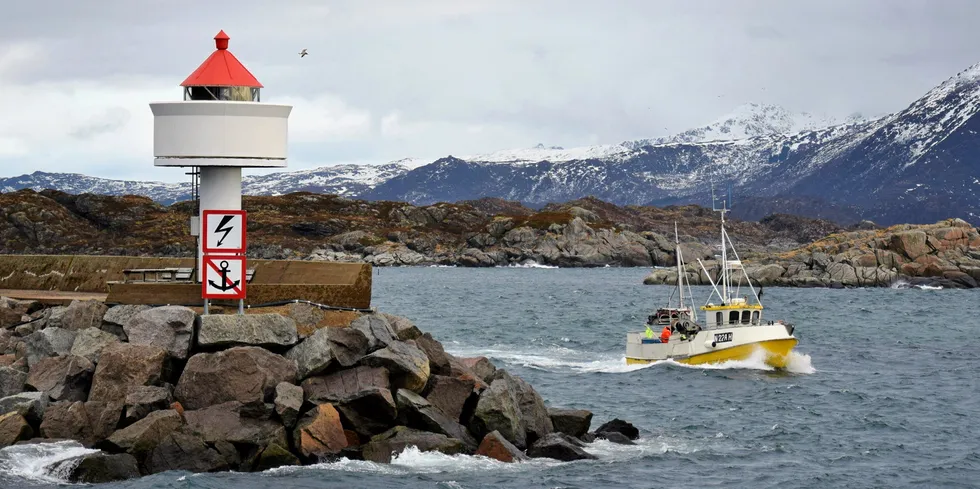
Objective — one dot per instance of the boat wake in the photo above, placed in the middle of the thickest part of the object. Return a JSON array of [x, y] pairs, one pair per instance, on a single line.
[[560, 359]]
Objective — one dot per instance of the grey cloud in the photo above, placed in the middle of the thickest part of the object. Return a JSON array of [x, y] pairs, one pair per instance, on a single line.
[[109, 121], [558, 69]]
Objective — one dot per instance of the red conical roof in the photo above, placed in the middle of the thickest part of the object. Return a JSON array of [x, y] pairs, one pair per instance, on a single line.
[[221, 69]]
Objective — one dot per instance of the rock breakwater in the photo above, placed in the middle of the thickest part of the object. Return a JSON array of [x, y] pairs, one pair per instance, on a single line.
[[158, 389]]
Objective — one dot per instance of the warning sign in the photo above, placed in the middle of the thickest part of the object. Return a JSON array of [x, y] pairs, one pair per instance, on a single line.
[[224, 231], [224, 277]]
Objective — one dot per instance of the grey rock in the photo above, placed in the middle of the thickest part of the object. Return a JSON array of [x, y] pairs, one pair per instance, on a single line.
[[376, 329], [558, 446], [614, 437], [62, 378], [168, 327], [404, 328], [327, 346], [227, 422], [48, 342], [86, 422], [289, 401], [415, 411], [498, 410], [572, 422], [533, 411], [52, 318], [272, 331], [12, 381], [30, 405], [80, 315], [452, 395], [144, 435], [124, 366], [361, 394], [619, 426], [90, 342], [407, 365], [117, 317], [144, 399], [381, 447], [247, 374], [438, 358], [187, 452], [98, 468]]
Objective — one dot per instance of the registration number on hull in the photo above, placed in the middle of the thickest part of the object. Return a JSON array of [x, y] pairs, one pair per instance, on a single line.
[[723, 337]]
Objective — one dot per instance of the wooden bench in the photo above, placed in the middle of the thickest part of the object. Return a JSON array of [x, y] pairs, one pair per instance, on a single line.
[[167, 275]]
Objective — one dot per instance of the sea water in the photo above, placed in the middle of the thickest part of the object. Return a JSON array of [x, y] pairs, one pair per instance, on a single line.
[[882, 391]]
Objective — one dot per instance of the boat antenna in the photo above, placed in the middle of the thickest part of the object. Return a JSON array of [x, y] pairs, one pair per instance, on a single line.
[[723, 207], [680, 271]]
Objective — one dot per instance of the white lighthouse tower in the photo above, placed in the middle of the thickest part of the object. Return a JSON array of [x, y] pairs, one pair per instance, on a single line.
[[219, 128]]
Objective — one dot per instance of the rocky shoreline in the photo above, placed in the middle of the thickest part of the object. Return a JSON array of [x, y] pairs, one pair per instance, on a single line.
[[158, 389], [945, 254]]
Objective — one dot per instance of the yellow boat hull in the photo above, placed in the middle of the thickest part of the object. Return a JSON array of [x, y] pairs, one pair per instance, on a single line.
[[777, 354]]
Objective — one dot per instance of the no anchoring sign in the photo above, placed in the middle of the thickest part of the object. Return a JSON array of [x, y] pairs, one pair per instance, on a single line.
[[224, 231], [224, 277]]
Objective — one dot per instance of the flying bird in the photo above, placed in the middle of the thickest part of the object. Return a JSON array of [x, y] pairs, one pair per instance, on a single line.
[[303, 53]]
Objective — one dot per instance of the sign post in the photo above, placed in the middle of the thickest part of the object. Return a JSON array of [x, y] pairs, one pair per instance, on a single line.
[[224, 261]]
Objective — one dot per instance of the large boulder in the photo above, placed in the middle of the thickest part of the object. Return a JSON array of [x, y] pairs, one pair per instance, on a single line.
[[184, 451], [404, 329], [90, 342], [361, 394], [320, 434], [247, 374], [123, 366], [415, 411], [83, 314], [482, 367], [98, 468], [376, 329], [12, 381], [572, 422], [144, 399], [48, 342], [231, 422], [498, 410], [558, 446], [14, 428], [64, 378], [117, 317], [142, 436], [910, 244], [452, 396], [10, 318], [289, 402], [272, 331], [382, 447], [167, 327], [438, 358], [495, 446], [85, 422], [30, 405], [406, 364], [534, 413], [21, 307], [619, 426], [273, 456], [326, 347]]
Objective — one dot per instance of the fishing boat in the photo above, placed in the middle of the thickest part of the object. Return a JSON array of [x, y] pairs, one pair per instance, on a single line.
[[733, 328]]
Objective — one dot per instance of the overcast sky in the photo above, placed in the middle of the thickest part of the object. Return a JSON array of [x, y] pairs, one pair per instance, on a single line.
[[387, 79]]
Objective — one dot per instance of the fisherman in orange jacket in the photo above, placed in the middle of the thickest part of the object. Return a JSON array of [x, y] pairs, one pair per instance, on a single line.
[[665, 334]]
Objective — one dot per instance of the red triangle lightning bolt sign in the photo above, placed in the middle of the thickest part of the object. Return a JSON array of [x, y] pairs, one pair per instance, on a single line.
[[223, 231]]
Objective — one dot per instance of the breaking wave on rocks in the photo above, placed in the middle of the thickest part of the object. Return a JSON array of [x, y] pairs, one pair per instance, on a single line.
[[40, 462]]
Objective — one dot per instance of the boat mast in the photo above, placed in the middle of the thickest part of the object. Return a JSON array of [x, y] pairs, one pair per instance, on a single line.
[[680, 272], [725, 279]]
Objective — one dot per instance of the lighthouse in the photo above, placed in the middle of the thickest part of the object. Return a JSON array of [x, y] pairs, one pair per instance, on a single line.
[[220, 127]]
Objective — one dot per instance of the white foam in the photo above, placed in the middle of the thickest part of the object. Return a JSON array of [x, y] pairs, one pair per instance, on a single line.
[[529, 264], [34, 461]]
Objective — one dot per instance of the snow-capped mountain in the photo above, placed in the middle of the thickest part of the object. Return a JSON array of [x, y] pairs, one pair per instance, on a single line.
[[916, 165], [346, 180]]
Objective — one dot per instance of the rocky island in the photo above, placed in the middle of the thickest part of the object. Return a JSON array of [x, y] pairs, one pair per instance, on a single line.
[[780, 250], [158, 389]]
